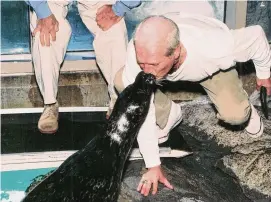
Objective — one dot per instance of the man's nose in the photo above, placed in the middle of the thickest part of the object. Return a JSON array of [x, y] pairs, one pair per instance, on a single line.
[[148, 69]]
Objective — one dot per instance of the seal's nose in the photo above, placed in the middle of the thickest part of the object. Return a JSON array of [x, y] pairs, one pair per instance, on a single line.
[[150, 79]]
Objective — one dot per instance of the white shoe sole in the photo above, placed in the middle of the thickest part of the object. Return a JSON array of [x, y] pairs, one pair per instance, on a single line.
[[258, 134]]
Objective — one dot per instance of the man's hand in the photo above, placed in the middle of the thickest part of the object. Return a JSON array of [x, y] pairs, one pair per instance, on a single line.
[[47, 26], [266, 83], [106, 17], [151, 179]]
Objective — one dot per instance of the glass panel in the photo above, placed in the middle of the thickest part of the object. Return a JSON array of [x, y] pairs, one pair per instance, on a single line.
[[15, 30], [219, 9], [259, 13], [81, 39], [148, 8]]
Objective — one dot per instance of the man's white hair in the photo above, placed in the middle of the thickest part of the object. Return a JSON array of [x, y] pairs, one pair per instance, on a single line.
[[173, 37]]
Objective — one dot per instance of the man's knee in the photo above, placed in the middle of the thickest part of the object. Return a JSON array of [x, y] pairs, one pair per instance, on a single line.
[[118, 83], [235, 114]]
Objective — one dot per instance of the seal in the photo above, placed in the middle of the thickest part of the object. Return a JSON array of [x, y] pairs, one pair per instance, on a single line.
[[94, 172]]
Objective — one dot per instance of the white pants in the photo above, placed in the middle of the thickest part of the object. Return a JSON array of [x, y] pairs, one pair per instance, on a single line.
[[110, 47]]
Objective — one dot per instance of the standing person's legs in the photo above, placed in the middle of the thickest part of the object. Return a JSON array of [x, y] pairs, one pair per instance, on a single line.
[[110, 46], [231, 101], [47, 61]]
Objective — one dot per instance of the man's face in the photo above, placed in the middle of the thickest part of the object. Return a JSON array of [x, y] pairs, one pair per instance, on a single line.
[[154, 61]]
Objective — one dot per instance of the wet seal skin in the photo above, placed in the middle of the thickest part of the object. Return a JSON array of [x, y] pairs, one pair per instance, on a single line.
[[94, 173]]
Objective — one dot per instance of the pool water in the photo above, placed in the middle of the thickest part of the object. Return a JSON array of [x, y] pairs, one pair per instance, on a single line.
[[14, 183]]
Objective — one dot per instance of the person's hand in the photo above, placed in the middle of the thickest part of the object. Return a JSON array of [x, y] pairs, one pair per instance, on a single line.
[[106, 17], [150, 180], [264, 82], [47, 27]]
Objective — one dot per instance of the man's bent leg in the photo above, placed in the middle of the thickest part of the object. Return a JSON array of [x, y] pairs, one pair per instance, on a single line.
[[230, 99], [47, 62], [110, 46]]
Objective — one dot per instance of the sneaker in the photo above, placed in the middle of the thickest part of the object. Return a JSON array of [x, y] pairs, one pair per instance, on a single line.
[[175, 117], [48, 122], [255, 126]]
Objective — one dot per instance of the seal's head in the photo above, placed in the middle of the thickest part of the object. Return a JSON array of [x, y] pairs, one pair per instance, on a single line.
[[140, 96], [145, 83]]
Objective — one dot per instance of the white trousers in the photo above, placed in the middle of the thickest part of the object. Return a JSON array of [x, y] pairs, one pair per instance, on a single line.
[[110, 47]]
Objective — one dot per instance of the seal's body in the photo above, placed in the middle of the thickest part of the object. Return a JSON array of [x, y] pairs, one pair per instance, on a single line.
[[94, 172]]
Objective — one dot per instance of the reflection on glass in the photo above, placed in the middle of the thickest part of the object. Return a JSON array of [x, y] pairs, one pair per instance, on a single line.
[[15, 32], [259, 13], [81, 39]]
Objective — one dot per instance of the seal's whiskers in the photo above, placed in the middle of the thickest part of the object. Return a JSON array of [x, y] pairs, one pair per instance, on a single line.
[[160, 82]]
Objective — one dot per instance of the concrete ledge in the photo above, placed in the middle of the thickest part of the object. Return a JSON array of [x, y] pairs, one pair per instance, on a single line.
[[26, 68], [82, 85]]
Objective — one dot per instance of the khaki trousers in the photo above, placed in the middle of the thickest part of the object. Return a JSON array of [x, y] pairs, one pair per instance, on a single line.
[[110, 47], [224, 89]]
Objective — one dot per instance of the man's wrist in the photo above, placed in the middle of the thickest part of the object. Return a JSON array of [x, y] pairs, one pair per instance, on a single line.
[[154, 167], [153, 162], [263, 74], [43, 10]]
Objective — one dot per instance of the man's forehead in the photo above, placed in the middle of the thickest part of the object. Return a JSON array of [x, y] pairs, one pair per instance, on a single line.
[[151, 53]]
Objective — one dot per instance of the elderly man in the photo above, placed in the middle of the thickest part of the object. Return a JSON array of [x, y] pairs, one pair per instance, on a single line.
[[199, 49], [52, 32]]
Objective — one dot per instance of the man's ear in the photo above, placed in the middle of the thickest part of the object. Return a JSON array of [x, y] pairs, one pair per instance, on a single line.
[[177, 52]]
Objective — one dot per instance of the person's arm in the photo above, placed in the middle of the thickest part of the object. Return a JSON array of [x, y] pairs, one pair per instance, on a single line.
[[41, 8], [148, 134], [148, 140], [252, 44], [123, 6], [147, 137]]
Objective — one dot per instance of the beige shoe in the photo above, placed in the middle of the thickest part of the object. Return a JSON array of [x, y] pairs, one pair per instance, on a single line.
[[48, 122]]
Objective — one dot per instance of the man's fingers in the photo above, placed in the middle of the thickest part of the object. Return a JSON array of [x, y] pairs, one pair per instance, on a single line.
[[53, 34], [139, 186], [146, 188], [99, 16], [35, 31], [42, 38], [167, 184], [47, 39], [154, 187], [56, 27]]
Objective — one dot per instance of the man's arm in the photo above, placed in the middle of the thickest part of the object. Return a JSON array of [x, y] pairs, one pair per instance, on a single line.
[[147, 137], [121, 7], [251, 44], [41, 8]]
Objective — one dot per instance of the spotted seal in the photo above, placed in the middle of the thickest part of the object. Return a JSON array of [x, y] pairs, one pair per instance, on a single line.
[[94, 172]]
